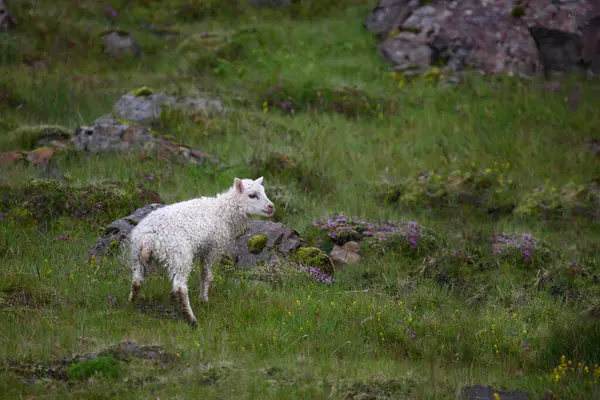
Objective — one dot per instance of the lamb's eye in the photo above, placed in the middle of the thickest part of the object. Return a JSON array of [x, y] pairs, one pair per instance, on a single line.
[[253, 196]]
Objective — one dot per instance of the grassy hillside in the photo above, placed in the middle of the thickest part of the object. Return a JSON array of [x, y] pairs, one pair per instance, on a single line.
[[466, 160]]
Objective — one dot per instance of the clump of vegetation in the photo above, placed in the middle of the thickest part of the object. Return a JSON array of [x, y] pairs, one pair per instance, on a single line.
[[290, 169], [456, 268], [522, 249], [574, 280], [474, 187], [409, 238], [42, 201], [286, 201], [348, 101], [28, 137], [103, 366]]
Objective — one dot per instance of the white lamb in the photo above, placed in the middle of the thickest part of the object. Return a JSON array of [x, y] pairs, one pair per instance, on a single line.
[[174, 236]]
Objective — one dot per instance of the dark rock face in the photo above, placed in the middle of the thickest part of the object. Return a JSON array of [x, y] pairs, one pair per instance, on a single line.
[[281, 242], [7, 21], [493, 37]]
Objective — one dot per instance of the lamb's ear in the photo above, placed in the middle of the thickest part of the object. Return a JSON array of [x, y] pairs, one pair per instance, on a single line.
[[239, 185], [259, 180]]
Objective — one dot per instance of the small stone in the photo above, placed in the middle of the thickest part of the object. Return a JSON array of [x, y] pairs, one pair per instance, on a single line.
[[340, 255]]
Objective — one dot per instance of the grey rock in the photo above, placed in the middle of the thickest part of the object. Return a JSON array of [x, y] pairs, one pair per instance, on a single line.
[[388, 15], [145, 109], [407, 51], [109, 135]]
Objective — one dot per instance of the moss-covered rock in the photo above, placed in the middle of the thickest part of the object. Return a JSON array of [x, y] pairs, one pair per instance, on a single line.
[[314, 257], [257, 243]]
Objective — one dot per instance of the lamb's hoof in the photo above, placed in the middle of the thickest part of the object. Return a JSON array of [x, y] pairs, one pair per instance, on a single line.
[[193, 324]]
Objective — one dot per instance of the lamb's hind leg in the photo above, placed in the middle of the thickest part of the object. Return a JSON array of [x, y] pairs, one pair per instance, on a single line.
[[139, 262]]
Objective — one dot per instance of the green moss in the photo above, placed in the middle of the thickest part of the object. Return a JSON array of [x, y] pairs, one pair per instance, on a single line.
[[314, 257], [105, 366], [517, 12], [257, 243], [142, 92]]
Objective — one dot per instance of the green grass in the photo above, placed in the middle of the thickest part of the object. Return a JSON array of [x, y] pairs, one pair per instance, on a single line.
[[400, 324]]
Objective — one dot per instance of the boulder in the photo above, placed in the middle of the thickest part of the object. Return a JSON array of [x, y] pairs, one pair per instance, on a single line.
[[145, 106], [493, 37], [108, 134]]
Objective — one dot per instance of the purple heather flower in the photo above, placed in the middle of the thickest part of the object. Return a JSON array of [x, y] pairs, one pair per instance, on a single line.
[[2, 217], [412, 334], [286, 105], [64, 238], [525, 346]]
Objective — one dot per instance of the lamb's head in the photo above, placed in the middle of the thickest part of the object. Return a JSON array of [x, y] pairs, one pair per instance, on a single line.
[[253, 198]]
